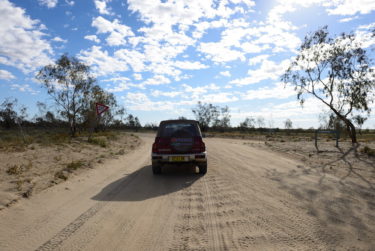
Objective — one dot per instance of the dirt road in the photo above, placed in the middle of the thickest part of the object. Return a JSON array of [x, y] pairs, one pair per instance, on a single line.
[[250, 199]]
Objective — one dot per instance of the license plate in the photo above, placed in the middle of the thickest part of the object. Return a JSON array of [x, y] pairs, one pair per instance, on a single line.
[[177, 158]]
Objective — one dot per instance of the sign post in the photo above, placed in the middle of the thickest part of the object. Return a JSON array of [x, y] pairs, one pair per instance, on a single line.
[[336, 132], [100, 108]]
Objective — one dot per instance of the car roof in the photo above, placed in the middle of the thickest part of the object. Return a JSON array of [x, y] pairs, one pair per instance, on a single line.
[[178, 121]]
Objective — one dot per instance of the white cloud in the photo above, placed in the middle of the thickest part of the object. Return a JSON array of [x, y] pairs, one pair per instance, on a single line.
[[348, 19], [333, 7], [196, 92], [278, 91], [350, 7], [118, 32], [134, 58], [157, 93], [119, 84], [278, 113], [156, 80], [48, 3], [258, 59], [70, 3], [21, 39], [101, 62], [59, 39], [166, 37], [93, 38], [217, 98], [225, 73], [206, 94], [364, 34], [6, 75], [101, 6], [240, 38], [268, 70], [187, 65], [180, 12], [140, 102], [137, 76], [218, 52], [24, 88], [293, 108], [122, 86]]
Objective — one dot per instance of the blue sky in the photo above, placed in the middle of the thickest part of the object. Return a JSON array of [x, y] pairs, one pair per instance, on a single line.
[[161, 57]]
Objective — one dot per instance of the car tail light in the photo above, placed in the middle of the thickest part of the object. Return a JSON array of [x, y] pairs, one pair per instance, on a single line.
[[161, 145], [198, 145]]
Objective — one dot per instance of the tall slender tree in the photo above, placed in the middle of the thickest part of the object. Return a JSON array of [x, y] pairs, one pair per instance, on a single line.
[[69, 83]]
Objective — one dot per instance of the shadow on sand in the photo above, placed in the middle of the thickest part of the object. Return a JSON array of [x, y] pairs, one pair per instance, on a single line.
[[334, 201], [142, 184]]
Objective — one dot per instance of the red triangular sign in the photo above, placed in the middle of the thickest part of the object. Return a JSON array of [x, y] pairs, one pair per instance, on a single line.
[[100, 108]]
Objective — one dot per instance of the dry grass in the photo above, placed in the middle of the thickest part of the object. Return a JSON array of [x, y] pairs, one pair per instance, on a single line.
[[51, 156], [291, 136], [74, 165], [100, 141], [12, 140]]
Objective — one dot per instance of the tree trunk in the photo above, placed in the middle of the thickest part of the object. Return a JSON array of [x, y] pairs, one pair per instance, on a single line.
[[349, 126], [353, 133], [351, 130], [74, 126]]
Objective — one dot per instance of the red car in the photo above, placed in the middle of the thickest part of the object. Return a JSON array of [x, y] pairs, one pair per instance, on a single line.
[[179, 142]]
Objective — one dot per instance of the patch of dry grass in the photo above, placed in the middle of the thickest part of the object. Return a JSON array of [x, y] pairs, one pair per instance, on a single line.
[[368, 150], [100, 141]]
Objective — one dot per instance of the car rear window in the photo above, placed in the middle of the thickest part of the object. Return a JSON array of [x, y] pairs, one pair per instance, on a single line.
[[179, 130]]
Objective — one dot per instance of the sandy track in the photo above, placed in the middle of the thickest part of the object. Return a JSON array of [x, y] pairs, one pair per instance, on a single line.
[[250, 199]]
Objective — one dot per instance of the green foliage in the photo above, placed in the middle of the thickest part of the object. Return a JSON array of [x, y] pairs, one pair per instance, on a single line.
[[223, 119], [132, 122], [69, 83], [209, 115], [9, 116], [248, 123], [288, 124], [205, 114]]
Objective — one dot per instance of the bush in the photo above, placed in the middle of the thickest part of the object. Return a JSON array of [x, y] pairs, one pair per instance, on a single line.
[[98, 141], [74, 165], [61, 175], [369, 151], [15, 170], [19, 169]]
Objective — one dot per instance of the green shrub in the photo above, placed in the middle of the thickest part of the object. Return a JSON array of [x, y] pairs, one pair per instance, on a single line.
[[98, 141]]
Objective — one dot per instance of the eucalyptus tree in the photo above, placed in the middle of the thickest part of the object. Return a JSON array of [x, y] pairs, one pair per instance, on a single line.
[[68, 81], [337, 71], [206, 114]]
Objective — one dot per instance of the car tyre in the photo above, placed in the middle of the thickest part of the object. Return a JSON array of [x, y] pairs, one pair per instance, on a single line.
[[203, 168], [156, 169]]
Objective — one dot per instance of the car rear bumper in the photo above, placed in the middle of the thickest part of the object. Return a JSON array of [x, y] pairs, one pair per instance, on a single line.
[[185, 158]]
